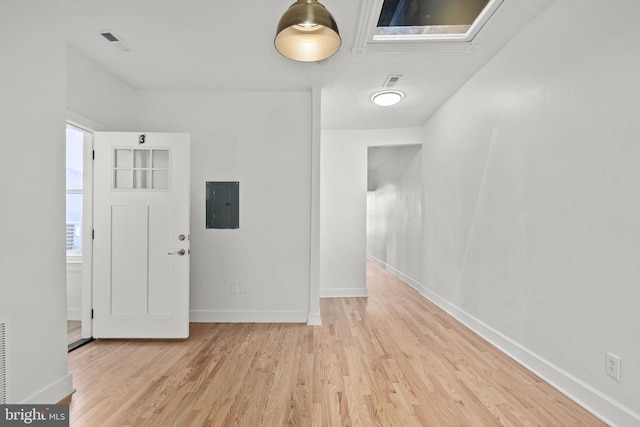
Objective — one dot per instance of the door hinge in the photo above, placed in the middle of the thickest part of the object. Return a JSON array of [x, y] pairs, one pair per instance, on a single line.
[[93, 154], [92, 313], [93, 234]]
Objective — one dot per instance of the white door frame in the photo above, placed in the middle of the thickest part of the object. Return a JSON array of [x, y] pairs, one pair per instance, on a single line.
[[87, 230]]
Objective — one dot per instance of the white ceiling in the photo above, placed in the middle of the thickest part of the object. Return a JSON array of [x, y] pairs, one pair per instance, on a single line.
[[228, 45]]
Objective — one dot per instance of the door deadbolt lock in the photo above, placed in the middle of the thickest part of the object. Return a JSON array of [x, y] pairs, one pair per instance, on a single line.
[[181, 237]]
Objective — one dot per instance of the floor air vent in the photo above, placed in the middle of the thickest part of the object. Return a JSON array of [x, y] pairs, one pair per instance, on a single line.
[[3, 370]]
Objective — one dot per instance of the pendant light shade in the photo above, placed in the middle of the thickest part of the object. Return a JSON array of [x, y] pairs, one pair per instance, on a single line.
[[307, 32]]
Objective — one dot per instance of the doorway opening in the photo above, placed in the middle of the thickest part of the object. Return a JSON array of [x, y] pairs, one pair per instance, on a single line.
[[394, 210], [79, 223]]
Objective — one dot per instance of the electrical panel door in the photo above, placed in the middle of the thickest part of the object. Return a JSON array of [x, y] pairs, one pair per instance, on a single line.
[[222, 207]]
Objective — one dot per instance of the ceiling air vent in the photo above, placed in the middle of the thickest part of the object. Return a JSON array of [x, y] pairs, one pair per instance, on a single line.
[[391, 81], [115, 40]]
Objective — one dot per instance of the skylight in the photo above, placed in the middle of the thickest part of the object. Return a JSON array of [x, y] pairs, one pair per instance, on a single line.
[[437, 20]]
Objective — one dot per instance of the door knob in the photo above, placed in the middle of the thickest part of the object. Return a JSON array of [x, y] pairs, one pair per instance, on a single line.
[[180, 252]]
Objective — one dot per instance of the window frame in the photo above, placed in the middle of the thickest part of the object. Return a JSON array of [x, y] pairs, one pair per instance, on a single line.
[[85, 191]]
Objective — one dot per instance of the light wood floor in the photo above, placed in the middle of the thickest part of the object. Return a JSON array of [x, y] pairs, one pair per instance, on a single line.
[[393, 359]]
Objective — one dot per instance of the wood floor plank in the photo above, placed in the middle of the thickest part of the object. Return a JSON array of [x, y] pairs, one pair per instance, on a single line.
[[392, 359]]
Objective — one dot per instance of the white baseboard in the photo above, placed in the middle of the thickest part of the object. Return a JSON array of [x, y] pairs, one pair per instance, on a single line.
[[344, 293], [241, 316], [399, 274], [53, 393], [314, 319], [602, 406]]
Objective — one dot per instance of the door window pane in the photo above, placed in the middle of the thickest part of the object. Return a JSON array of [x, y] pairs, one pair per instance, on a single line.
[[123, 159], [141, 179], [161, 180], [141, 169], [124, 179], [160, 159], [142, 159]]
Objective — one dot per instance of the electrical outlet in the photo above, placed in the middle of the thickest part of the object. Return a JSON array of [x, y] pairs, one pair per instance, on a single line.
[[612, 366]]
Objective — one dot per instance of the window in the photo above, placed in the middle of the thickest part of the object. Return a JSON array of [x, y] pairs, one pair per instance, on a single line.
[[428, 17], [417, 25], [74, 168], [141, 169]]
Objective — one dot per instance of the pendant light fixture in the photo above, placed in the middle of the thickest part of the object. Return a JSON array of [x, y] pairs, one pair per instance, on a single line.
[[307, 32]]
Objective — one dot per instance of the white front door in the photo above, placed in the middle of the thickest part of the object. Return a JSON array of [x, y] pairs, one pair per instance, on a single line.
[[141, 235]]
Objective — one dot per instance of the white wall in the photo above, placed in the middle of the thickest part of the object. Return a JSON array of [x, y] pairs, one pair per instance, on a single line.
[[532, 202], [74, 290], [95, 98], [343, 205], [394, 211], [262, 140], [32, 188]]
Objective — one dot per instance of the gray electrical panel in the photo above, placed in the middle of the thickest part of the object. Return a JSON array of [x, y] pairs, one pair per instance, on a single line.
[[223, 205]]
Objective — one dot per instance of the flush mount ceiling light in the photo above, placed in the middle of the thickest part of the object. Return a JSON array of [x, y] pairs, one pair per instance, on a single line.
[[387, 98], [307, 32]]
